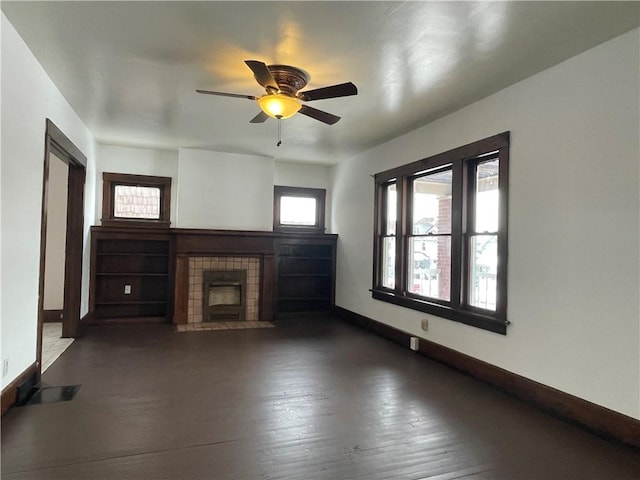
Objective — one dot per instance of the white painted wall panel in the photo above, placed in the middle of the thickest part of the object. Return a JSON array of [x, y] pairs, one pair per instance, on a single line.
[[28, 99], [225, 191], [573, 226]]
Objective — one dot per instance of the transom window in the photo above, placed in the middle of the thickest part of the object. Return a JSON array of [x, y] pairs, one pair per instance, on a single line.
[[135, 200], [441, 234], [298, 209]]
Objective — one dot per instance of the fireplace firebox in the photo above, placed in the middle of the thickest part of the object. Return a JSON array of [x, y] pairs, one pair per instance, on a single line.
[[224, 295]]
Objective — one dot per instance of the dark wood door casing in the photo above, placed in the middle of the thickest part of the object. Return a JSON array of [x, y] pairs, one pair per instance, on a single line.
[[58, 143]]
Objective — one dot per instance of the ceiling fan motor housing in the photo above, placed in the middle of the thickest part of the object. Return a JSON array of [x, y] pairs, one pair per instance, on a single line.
[[289, 79]]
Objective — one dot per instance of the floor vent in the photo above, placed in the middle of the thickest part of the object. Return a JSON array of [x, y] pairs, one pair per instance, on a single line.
[[50, 395]]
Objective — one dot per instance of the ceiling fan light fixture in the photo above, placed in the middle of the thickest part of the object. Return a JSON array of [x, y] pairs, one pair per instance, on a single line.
[[277, 105]]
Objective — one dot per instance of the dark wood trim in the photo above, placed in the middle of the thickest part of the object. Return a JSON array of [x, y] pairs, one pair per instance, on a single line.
[[267, 293], [244, 233], [401, 239], [503, 239], [52, 316], [225, 244], [133, 223], [458, 219], [200, 241], [594, 418], [67, 146], [73, 249], [85, 321], [128, 320], [379, 216], [462, 316], [110, 180], [10, 392], [396, 336], [470, 150], [181, 294]]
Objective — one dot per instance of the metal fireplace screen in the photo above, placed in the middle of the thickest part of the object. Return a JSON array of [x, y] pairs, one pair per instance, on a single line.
[[224, 295]]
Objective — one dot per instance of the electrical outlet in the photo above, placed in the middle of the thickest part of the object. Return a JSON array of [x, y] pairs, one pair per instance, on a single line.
[[424, 324], [414, 343], [127, 289], [5, 367]]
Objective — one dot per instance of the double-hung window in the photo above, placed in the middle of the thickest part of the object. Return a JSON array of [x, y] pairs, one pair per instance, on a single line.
[[441, 234]]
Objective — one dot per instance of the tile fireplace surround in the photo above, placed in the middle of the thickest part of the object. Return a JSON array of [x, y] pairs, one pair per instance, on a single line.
[[199, 250], [198, 265]]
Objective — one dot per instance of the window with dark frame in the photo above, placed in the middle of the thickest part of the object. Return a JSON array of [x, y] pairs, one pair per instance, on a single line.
[[136, 200], [441, 234], [298, 209]]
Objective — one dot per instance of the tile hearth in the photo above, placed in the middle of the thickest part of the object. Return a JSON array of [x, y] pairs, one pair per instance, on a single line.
[[206, 326]]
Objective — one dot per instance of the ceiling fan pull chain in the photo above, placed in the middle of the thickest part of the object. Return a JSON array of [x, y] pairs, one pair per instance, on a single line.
[[279, 131]]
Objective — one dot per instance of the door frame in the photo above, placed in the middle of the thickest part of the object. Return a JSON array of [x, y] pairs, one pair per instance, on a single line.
[[58, 143]]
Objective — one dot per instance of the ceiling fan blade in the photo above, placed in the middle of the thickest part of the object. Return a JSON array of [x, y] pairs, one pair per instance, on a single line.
[[324, 117], [223, 94], [262, 74], [341, 90], [259, 118]]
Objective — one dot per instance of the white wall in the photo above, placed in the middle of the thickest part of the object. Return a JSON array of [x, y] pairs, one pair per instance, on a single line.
[[136, 161], [306, 175], [224, 191], [56, 234], [28, 99], [573, 226], [210, 169]]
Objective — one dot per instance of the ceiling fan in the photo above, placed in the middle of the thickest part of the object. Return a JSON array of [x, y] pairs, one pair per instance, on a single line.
[[282, 98]]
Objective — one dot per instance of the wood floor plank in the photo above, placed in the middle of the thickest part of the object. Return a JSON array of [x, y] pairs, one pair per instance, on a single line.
[[309, 399]]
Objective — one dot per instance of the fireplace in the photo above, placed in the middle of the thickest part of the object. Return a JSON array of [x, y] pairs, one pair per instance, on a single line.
[[197, 266], [224, 295]]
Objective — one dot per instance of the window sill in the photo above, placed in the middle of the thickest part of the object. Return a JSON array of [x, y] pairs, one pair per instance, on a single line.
[[302, 229], [478, 320], [123, 222]]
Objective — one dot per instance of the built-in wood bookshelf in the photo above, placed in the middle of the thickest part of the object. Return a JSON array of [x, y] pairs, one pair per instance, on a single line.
[[306, 274], [131, 275]]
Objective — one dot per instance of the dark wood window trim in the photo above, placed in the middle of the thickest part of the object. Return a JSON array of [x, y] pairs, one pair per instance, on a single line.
[[463, 162], [320, 196], [111, 180]]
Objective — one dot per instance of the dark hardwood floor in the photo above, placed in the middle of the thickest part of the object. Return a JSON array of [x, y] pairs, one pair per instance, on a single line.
[[310, 399]]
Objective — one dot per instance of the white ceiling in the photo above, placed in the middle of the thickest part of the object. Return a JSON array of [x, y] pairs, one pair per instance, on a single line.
[[130, 69]]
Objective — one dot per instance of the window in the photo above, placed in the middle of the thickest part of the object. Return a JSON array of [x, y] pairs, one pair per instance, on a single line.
[[135, 200], [441, 234], [297, 209]]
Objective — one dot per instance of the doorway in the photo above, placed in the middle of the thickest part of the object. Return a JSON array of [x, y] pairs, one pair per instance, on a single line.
[[61, 234]]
